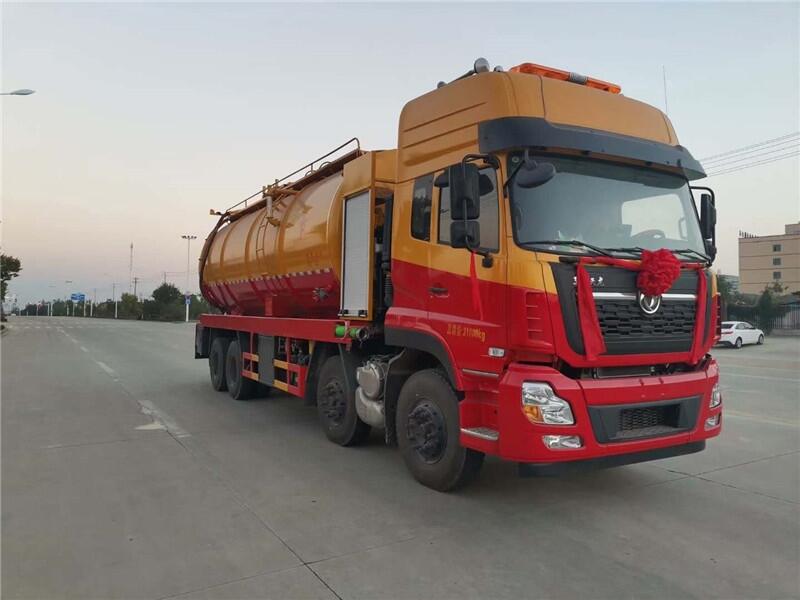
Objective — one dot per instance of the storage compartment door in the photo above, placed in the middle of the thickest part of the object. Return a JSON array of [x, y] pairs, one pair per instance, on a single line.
[[357, 249]]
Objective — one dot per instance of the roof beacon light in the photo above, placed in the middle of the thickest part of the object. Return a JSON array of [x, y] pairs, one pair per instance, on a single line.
[[534, 69], [481, 65]]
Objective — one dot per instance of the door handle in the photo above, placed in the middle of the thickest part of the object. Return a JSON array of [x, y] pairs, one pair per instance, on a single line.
[[437, 291]]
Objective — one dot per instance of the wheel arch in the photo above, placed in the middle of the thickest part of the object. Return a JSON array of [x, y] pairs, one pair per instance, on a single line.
[[426, 342], [401, 367]]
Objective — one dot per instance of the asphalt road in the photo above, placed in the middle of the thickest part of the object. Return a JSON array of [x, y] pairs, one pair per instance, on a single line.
[[124, 475]]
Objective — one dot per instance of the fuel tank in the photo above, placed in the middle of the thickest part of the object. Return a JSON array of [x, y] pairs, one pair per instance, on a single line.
[[283, 261]]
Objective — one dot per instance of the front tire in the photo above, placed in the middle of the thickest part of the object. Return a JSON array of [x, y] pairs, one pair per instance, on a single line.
[[761, 339], [336, 408], [428, 433], [216, 363], [738, 343], [239, 386]]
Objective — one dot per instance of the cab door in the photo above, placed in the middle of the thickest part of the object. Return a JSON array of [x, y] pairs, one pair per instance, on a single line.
[[475, 331]]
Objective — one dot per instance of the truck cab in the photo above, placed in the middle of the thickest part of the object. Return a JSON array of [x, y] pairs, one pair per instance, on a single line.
[[558, 169]]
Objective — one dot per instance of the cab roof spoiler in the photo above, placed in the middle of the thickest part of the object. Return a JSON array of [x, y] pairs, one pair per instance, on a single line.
[[508, 133]]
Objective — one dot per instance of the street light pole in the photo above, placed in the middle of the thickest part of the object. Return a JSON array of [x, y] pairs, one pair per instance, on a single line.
[[114, 296], [68, 300], [188, 239]]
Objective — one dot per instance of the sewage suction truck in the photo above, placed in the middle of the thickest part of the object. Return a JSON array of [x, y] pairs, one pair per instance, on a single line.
[[527, 275]]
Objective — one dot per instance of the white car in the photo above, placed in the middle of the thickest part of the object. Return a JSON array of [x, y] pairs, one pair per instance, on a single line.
[[738, 333]]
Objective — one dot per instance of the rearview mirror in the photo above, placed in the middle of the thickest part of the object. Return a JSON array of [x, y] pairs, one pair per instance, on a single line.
[[708, 216], [465, 234], [464, 182], [533, 174], [708, 223], [485, 183]]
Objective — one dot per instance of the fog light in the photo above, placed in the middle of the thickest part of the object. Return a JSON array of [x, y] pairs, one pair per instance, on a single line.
[[541, 405], [562, 442], [716, 397], [712, 422]]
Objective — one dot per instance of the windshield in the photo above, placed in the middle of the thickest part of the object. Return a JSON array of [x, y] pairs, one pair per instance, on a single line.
[[605, 205]]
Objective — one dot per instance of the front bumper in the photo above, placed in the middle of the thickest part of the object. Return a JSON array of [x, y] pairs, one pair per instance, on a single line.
[[605, 462], [520, 440]]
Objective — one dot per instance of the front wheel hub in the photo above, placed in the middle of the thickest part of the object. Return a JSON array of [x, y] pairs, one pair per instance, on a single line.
[[427, 431]]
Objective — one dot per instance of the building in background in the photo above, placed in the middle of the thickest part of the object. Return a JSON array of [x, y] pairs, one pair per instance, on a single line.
[[767, 259]]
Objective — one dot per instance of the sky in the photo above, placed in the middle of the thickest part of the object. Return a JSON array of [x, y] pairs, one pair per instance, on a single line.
[[148, 115]]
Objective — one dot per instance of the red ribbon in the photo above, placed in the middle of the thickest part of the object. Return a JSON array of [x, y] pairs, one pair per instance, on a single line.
[[593, 342], [477, 305]]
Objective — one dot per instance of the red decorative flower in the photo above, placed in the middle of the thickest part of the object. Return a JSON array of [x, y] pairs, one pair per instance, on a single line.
[[658, 271]]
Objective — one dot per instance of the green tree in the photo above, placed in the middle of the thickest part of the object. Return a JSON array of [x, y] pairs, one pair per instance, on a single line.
[[200, 306], [777, 288], [129, 307], [167, 293], [768, 308], [10, 267], [725, 289]]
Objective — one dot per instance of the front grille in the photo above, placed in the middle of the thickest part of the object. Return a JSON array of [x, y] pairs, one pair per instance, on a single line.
[[647, 422], [625, 327], [642, 418], [620, 423], [624, 319]]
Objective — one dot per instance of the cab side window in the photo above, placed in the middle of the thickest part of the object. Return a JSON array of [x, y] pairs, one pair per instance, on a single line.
[[421, 208], [488, 219]]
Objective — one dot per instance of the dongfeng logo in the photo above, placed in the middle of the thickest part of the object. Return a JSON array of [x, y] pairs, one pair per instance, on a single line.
[[649, 304]]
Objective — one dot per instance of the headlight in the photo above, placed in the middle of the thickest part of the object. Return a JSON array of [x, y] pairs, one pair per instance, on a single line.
[[541, 405], [716, 396]]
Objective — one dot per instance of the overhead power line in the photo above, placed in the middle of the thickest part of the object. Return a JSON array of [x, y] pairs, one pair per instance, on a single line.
[[754, 164], [753, 155], [746, 157], [751, 146]]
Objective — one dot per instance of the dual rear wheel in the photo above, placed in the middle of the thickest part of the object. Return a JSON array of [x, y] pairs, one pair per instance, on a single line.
[[225, 368]]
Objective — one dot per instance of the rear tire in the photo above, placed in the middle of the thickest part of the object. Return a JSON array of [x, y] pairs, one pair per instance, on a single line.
[[239, 386], [216, 363], [428, 433], [761, 339], [336, 408], [738, 343]]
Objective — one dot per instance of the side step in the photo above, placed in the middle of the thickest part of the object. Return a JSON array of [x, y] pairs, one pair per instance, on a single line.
[[483, 433]]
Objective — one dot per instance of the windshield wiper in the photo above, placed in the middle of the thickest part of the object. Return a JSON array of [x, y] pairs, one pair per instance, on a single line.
[[685, 252], [629, 250], [575, 243], [690, 252]]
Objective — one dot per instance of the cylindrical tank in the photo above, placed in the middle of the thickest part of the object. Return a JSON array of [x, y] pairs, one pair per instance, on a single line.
[[284, 266]]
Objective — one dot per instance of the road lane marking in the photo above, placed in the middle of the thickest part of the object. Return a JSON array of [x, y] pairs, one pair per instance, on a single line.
[[727, 412], [154, 426], [159, 416], [726, 374], [161, 420], [107, 369], [723, 366], [84, 348]]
